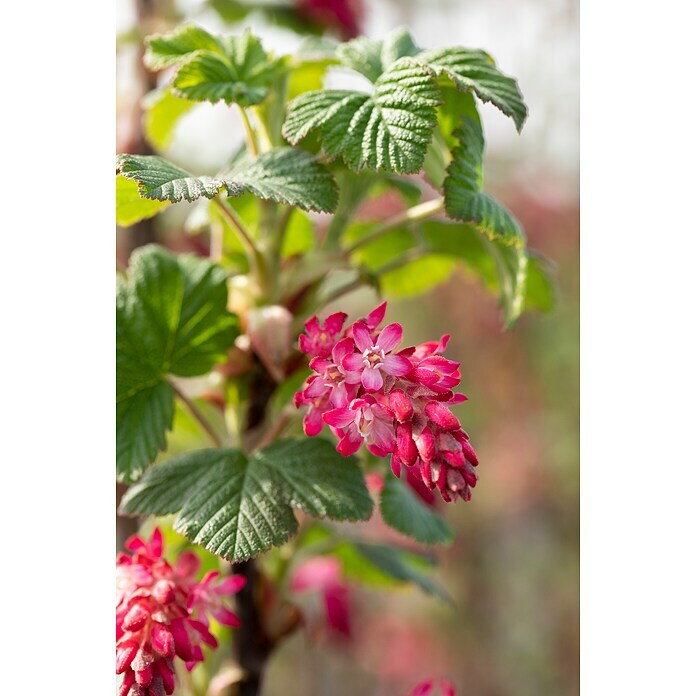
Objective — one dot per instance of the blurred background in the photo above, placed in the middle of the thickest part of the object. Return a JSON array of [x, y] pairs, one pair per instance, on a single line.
[[513, 570]]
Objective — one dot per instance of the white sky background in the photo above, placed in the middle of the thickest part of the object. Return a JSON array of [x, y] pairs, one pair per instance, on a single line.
[[537, 41]]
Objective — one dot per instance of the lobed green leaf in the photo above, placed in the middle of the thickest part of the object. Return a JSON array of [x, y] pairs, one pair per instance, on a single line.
[[237, 507], [171, 318]]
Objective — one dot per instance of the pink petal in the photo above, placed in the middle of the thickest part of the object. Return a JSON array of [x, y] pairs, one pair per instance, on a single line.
[[362, 336], [226, 617], [405, 445], [125, 652], [401, 404], [312, 325], [339, 417], [372, 379], [162, 640], [344, 347], [349, 443], [337, 610], [389, 337], [396, 366], [156, 542], [383, 436], [375, 317], [334, 322], [305, 344], [353, 362], [230, 585], [312, 423], [187, 564]]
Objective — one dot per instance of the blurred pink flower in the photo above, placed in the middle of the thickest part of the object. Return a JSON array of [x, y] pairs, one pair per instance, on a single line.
[[428, 688], [323, 574], [343, 15]]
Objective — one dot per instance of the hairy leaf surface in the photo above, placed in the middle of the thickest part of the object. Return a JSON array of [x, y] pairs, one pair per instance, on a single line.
[[465, 199], [388, 129], [238, 507]]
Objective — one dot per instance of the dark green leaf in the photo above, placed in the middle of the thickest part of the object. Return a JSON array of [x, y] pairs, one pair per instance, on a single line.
[[238, 507], [289, 176], [317, 479], [402, 509], [161, 180], [465, 199], [474, 70], [171, 318], [239, 72], [387, 130]]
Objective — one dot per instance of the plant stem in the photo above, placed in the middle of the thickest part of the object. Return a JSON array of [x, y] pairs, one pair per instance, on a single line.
[[250, 135], [198, 415], [275, 430], [265, 137], [417, 212], [256, 259]]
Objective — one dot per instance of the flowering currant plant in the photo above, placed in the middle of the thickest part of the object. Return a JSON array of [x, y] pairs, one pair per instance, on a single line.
[[253, 413]]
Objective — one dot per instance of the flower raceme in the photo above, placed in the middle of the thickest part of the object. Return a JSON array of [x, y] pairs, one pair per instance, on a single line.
[[162, 613], [395, 402]]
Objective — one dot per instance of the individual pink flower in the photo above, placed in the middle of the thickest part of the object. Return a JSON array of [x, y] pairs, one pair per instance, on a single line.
[[323, 573], [429, 688], [162, 614], [321, 338], [364, 420], [374, 360]]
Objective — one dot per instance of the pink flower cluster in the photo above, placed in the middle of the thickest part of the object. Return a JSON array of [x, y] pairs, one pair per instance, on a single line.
[[162, 612], [396, 403]]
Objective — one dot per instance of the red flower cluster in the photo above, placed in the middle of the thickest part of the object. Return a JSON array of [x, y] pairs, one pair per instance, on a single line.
[[395, 402], [162, 613]]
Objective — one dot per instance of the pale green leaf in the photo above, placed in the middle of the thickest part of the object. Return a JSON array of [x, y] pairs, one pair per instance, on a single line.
[[171, 318], [474, 70], [159, 179], [465, 199], [388, 129], [403, 510], [163, 50], [162, 112], [130, 207]]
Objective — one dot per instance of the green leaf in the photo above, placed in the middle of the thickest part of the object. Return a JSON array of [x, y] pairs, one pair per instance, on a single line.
[[474, 70], [159, 179], [402, 509], [171, 318], [372, 57], [162, 113], [226, 503], [289, 176], [299, 235], [388, 129], [379, 564], [163, 50], [130, 207], [465, 199], [284, 175], [237, 507], [317, 479], [240, 72]]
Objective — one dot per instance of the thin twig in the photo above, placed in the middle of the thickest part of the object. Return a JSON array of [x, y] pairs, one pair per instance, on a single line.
[[250, 136], [417, 212], [407, 257], [197, 414]]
